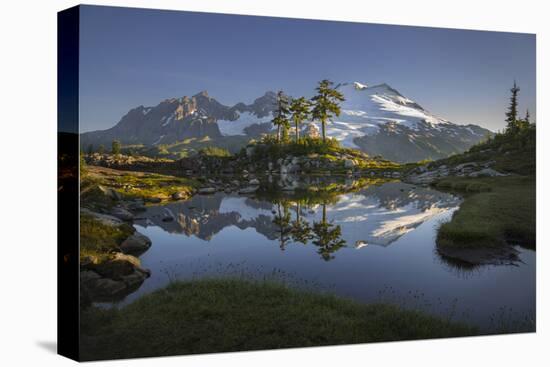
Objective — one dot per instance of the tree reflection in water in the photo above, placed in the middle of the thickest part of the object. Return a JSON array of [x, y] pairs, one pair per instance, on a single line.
[[323, 234], [301, 230], [282, 221], [327, 236]]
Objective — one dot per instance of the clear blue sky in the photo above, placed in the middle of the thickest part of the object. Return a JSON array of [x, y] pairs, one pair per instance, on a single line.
[[132, 57]]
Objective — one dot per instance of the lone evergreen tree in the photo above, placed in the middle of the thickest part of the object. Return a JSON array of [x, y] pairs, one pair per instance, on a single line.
[[512, 125], [326, 103], [115, 147], [281, 115], [300, 112], [527, 117]]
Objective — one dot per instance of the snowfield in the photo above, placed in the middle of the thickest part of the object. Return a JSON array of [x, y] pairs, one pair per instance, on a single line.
[[366, 108], [345, 132], [166, 121], [246, 119]]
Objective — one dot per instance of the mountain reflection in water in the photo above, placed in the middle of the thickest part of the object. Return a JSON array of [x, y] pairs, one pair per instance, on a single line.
[[376, 215]]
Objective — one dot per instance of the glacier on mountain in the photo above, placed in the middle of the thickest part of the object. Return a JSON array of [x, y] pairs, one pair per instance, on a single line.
[[365, 108], [236, 127]]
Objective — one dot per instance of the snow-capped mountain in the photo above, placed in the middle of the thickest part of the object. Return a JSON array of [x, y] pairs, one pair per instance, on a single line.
[[376, 119], [367, 108]]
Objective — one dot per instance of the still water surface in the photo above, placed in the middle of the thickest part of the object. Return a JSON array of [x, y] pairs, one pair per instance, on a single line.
[[374, 245]]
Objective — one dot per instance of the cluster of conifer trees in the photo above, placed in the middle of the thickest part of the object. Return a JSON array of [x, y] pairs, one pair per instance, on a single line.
[[322, 107]]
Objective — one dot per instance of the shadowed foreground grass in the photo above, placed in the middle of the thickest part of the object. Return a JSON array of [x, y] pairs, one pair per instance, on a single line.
[[212, 315], [495, 211]]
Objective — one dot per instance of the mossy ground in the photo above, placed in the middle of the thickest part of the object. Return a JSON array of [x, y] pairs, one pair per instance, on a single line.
[[134, 185], [98, 240], [496, 211], [207, 316]]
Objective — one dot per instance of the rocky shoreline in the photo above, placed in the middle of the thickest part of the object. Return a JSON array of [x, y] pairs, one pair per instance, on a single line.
[[438, 174], [341, 162], [121, 273], [430, 173]]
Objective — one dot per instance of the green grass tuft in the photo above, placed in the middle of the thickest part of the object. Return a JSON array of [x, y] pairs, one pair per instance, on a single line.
[[496, 211]]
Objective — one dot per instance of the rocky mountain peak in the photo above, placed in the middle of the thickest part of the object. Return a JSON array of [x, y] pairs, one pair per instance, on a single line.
[[203, 93], [269, 97], [187, 107]]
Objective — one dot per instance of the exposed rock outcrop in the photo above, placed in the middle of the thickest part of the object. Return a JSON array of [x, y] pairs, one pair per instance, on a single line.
[[122, 214], [428, 174], [112, 275], [136, 244], [112, 279], [248, 190], [207, 190]]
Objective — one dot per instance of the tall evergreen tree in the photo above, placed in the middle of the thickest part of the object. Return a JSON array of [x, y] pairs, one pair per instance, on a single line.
[[300, 112], [115, 147], [527, 117], [281, 115], [326, 103], [512, 125]]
